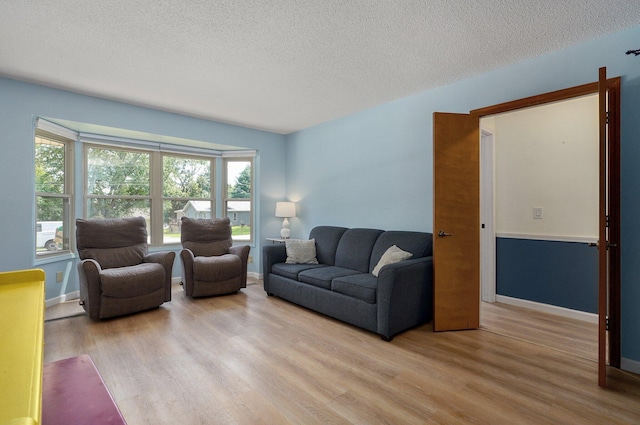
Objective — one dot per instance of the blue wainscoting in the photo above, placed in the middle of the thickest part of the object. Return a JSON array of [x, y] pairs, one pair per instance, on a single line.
[[563, 274]]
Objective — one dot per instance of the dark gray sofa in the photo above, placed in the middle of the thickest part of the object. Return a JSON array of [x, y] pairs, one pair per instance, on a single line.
[[342, 285]]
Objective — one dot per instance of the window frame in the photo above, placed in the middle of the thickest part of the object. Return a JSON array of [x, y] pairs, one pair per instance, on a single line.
[[85, 184], [225, 200], [159, 188], [56, 134], [156, 196]]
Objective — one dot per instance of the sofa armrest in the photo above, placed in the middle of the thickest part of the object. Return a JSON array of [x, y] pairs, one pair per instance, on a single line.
[[242, 252], [271, 254], [187, 257], [165, 259], [405, 295], [89, 282]]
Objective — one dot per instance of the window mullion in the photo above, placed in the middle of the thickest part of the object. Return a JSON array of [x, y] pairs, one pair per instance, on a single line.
[[157, 198]]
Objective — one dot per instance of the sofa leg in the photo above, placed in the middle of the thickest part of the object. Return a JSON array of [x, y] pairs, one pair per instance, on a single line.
[[386, 338]]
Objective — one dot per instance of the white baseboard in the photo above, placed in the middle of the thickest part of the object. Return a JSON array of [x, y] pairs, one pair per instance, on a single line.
[[560, 311], [175, 280], [63, 298], [630, 365], [550, 238]]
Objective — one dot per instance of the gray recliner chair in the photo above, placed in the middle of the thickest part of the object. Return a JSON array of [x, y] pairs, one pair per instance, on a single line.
[[210, 264], [117, 274]]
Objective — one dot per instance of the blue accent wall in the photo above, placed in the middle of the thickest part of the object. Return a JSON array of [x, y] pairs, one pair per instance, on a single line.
[[564, 274]]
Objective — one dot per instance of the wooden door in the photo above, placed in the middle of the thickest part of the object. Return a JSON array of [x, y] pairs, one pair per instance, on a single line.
[[456, 227]]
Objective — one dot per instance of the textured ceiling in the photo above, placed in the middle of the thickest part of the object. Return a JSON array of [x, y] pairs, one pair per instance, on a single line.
[[283, 65]]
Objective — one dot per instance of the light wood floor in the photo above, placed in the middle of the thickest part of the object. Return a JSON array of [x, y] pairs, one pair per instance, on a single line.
[[252, 359], [571, 336]]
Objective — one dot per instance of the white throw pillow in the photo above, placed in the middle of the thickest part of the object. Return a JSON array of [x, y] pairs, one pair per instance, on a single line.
[[391, 255], [301, 251]]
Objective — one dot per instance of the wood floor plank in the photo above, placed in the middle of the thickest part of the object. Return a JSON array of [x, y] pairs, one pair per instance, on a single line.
[[252, 359]]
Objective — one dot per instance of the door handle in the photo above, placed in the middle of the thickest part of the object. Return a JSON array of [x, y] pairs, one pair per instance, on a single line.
[[442, 234]]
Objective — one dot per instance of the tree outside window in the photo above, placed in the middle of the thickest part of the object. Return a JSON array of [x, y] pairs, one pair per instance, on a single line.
[[118, 183], [239, 196]]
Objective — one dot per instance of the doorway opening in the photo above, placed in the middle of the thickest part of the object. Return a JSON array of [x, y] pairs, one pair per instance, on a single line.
[[544, 186], [456, 172]]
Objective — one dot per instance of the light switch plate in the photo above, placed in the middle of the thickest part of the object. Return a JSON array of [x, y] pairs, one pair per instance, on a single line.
[[537, 213]]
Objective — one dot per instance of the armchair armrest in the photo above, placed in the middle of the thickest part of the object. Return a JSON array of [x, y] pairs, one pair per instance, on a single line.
[[271, 254], [165, 259], [242, 252], [89, 280], [405, 295], [187, 257]]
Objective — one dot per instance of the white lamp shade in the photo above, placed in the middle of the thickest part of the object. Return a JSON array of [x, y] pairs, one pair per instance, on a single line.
[[285, 209]]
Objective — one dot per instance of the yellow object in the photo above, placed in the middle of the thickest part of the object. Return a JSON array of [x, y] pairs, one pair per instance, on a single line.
[[21, 346]]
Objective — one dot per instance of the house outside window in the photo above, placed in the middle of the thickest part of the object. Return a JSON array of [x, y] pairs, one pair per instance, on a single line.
[[53, 188], [238, 197]]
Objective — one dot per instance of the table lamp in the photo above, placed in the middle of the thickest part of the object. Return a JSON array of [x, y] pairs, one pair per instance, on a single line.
[[285, 210]]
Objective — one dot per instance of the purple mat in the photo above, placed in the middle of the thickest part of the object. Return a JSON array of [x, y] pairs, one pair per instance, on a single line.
[[73, 393]]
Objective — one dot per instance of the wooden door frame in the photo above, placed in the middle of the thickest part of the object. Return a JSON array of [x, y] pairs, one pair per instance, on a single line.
[[613, 86], [487, 218]]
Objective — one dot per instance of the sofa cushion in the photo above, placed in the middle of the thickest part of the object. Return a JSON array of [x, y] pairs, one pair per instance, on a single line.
[[132, 281], [362, 286], [390, 256], [206, 237], [327, 239], [322, 276], [354, 249], [300, 251], [417, 243], [110, 232], [116, 257], [216, 268], [292, 270], [116, 242]]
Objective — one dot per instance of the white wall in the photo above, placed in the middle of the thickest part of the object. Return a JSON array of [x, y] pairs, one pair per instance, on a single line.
[[547, 156]]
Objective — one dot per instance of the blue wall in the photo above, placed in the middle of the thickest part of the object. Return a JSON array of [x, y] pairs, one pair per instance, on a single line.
[[564, 274], [374, 168], [21, 102]]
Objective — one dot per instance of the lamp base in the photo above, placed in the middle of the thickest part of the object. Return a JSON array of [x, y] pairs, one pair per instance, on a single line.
[[285, 232]]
